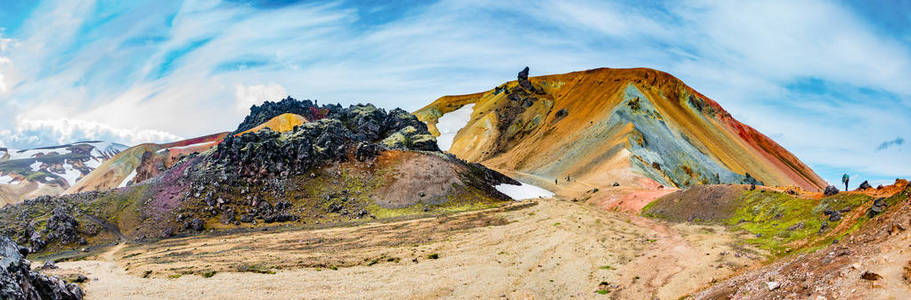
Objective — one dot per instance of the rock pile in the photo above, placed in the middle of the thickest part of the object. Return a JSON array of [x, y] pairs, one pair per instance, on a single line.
[[18, 281], [308, 109], [363, 129], [258, 163], [62, 227], [879, 205], [831, 190]]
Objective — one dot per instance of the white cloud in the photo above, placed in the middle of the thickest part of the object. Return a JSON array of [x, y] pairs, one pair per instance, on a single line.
[[35, 133], [6, 66], [249, 95], [3, 88], [4, 42]]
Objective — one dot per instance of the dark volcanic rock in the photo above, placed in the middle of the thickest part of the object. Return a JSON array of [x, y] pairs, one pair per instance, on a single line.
[[561, 113], [748, 179], [308, 109], [834, 215], [879, 205], [48, 265], [363, 129], [17, 281], [62, 227], [227, 217], [865, 186], [196, 224], [523, 80], [365, 151], [831, 190]]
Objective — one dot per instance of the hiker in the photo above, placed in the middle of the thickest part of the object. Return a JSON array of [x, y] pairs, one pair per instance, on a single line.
[[844, 179]]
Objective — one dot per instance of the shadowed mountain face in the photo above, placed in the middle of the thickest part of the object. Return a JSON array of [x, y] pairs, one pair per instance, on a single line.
[[638, 127]]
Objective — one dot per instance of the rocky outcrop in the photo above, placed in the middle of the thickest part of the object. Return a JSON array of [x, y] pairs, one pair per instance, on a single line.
[[62, 227], [18, 281], [879, 205], [865, 186], [358, 128], [831, 190], [308, 109], [523, 80]]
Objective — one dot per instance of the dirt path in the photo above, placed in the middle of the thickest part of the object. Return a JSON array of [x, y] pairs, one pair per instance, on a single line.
[[108, 255], [556, 249]]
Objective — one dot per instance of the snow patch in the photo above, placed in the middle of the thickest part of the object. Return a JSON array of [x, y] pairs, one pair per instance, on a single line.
[[36, 166], [449, 125], [93, 163], [105, 150], [6, 179], [70, 174], [127, 180], [15, 154], [190, 146], [524, 191]]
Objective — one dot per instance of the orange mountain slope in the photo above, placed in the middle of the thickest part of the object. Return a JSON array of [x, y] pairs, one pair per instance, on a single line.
[[636, 127], [281, 123]]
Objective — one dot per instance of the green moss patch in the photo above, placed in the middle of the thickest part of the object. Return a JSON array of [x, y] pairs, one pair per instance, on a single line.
[[782, 223], [774, 221]]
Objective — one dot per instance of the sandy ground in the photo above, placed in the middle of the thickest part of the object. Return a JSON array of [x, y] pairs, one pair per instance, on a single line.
[[555, 249]]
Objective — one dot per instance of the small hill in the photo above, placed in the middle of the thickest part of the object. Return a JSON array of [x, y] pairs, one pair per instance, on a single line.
[[780, 221], [863, 253], [348, 165], [638, 128]]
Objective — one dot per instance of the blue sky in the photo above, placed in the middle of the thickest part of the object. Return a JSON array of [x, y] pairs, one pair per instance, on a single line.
[[831, 81]]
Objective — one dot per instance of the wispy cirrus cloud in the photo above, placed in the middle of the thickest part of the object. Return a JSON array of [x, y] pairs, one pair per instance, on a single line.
[[826, 79]]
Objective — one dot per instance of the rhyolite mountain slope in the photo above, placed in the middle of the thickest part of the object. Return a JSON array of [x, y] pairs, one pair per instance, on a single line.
[[338, 165], [636, 127], [49, 170], [141, 162]]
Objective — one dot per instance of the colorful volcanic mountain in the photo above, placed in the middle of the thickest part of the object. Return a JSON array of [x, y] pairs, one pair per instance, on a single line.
[[638, 128]]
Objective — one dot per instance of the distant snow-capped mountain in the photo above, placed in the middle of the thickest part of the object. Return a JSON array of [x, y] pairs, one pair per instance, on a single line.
[[29, 173]]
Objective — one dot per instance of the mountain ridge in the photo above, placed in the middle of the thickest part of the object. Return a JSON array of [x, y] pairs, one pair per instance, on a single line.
[[657, 126]]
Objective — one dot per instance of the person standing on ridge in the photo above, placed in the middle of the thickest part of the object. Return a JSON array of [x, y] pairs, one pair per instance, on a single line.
[[844, 179]]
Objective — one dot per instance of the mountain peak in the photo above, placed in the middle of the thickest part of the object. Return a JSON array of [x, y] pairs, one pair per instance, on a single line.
[[640, 127]]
